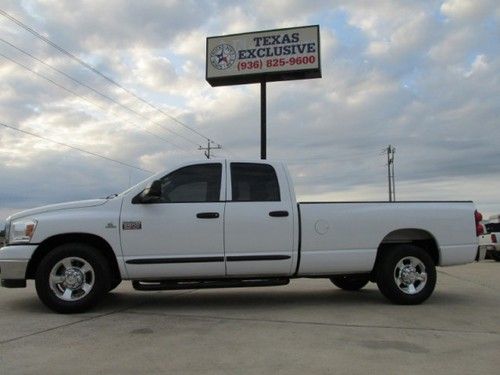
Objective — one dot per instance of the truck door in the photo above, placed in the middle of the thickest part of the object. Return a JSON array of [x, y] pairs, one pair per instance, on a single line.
[[180, 234], [258, 221]]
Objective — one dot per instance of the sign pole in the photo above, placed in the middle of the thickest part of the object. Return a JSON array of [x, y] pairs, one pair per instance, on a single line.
[[263, 130]]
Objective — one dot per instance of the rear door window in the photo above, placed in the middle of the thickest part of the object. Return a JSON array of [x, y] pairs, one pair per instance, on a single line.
[[254, 183]]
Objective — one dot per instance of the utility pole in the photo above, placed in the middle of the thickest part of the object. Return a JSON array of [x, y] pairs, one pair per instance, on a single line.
[[393, 176], [210, 148], [390, 173]]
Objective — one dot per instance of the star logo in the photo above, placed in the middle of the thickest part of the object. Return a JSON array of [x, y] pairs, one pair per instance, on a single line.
[[223, 56]]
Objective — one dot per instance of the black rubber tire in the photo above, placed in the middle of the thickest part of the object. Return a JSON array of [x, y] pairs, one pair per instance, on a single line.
[[114, 283], [495, 255], [351, 283], [101, 285], [385, 274]]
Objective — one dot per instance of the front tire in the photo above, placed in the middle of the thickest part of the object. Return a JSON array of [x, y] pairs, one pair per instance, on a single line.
[[350, 283], [406, 275], [114, 283], [72, 278]]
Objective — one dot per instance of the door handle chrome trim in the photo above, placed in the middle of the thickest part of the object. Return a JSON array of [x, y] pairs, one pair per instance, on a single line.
[[207, 215], [278, 213]]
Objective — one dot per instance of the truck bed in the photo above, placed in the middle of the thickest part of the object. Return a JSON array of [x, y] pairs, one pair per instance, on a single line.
[[340, 237]]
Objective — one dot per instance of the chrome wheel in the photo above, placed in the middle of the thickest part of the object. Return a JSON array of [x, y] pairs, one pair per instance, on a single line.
[[72, 278], [410, 275]]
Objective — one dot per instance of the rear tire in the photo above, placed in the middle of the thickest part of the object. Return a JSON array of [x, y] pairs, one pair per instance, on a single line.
[[72, 278], [350, 283], [406, 275]]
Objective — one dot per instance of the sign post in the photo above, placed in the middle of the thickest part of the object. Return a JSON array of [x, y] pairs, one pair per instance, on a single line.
[[261, 57], [263, 121]]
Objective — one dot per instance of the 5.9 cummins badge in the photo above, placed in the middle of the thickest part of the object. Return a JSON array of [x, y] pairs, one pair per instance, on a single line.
[[132, 225], [222, 56]]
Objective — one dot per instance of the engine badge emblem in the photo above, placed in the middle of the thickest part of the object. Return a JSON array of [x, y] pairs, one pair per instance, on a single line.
[[132, 225]]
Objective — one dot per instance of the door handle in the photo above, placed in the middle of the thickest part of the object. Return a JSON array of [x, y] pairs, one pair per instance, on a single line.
[[207, 215], [278, 213]]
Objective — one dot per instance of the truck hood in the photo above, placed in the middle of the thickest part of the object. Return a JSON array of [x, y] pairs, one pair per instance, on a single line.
[[57, 207]]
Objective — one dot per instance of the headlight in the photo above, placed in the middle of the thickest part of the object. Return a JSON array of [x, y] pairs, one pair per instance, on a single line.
[[20, 231]]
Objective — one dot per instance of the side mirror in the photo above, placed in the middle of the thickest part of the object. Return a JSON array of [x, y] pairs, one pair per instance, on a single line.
[[154, 190], [149, 195]]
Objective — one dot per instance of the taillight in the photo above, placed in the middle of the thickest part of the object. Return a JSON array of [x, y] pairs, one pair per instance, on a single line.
[[494, 238], [479, 227]]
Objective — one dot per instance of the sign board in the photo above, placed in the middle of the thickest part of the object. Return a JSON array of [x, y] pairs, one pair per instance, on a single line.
[[263, 56]]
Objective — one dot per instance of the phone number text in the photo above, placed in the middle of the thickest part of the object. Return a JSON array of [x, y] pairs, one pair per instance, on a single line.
[[276, 63]]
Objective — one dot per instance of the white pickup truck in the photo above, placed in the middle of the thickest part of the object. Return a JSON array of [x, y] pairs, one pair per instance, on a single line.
[[488, 241], [221, 223]]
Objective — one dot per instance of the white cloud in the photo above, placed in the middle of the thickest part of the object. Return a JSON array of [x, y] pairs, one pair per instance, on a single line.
[[469, 10], [453, 46], [191, 45], [155, 72], [479, 65]]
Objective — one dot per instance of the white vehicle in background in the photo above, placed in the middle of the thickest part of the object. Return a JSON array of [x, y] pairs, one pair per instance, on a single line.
[[222, 223], [489, 241]]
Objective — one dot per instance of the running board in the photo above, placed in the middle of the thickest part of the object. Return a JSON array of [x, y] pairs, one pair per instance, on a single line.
[[206, 284]]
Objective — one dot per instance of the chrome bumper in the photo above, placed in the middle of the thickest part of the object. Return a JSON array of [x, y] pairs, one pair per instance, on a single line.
[[14, 261]]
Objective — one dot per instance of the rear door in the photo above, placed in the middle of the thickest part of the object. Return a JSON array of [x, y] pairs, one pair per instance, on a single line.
[[258, 223]]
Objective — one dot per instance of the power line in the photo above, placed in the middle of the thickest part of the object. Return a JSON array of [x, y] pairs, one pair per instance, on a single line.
[[84, 98], [96, 71], [96, 91], [75, 148]]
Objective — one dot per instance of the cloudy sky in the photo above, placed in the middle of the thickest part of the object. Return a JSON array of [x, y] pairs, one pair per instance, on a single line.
[[423, 76]]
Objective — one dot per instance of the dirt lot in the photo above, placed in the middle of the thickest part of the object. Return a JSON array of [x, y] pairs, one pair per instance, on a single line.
[[307, 327]]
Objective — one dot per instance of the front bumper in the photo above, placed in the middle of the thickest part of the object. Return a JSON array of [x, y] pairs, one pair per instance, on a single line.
[[13, 269], [14, 261]]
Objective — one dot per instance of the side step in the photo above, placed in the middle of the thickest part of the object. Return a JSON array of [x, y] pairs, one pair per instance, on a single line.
[[144, 285]]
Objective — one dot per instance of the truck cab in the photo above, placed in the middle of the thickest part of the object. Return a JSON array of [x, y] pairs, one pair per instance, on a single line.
[[211, 219]]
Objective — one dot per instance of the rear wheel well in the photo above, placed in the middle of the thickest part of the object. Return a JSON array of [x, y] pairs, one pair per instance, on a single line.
[[415, 237], [90, 239]]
